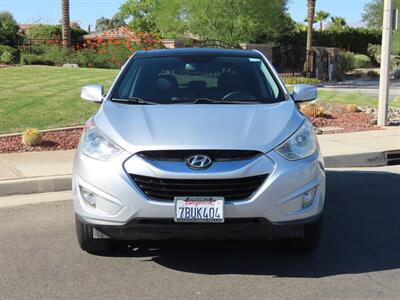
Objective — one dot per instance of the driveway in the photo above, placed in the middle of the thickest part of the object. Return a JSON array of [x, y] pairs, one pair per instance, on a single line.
[[358, 256]]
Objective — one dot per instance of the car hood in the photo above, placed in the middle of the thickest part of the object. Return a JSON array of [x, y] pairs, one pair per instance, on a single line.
[[198, 126]]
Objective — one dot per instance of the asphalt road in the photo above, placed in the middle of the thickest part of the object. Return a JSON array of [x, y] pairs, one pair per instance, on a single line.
[[359, 256], [363, 87]]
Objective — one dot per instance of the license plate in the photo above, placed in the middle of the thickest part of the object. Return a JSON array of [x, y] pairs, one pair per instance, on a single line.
[[199, 209]]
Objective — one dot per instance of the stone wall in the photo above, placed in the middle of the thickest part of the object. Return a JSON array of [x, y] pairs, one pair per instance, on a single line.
[[263, 48]]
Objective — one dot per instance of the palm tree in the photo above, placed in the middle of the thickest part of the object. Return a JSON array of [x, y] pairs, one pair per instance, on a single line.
[[320, 17], [66, 29], [337, 22], [310, 21]]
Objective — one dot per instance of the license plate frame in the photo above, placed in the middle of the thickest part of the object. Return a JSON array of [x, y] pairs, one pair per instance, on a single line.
[[194, 203]]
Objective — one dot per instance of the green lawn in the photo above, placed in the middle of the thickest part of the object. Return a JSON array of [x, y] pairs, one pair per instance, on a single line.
[[46, 97], [349, 98]]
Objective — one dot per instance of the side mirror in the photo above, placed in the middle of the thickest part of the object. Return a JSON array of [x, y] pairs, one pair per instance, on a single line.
[[93, 93], [304, 93]]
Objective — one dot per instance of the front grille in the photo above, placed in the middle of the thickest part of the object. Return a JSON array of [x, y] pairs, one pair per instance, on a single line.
[[215, 155], [168, 189]]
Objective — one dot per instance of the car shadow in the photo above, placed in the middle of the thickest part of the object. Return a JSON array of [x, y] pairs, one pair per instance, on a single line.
[[361, 233]]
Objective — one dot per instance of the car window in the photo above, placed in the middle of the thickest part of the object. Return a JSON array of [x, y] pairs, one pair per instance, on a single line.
[[185, 78]]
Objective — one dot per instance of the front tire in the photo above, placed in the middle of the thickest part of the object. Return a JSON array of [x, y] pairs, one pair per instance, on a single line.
[[311, 238], [84, 235]]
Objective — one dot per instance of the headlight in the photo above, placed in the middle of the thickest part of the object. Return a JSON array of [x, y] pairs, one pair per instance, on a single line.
[[300, 145], [97, 145]]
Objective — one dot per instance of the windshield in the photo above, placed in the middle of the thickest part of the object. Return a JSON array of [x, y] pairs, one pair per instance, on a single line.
[[197, 79]]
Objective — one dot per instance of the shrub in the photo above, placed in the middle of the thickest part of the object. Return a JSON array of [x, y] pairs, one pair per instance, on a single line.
[[50, 55], [300, 80], [31, 137], [346, 60], [361, 61], [352, 108], [58, 56], [396, 99], [374, 51], [6, 57], [372, 74], [105, 52], [312, 110], [11, 50], [35, 59]]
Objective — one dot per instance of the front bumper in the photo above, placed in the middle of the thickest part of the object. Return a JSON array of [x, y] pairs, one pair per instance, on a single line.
[[236, 228], [278, 201]]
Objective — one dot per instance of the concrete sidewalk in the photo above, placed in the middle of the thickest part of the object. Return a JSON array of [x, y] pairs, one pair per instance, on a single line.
[[360, 149], [35, 172], [42, 172]]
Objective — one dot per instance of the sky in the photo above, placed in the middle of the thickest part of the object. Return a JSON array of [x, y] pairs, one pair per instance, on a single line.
[[87, 11]]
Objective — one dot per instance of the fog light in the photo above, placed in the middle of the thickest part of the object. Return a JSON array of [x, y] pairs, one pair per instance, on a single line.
[[88, 197], [108, 205], [308, 198]]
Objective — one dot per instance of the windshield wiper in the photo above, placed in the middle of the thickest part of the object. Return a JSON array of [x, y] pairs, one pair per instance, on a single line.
[[134, 100], [212, 101]]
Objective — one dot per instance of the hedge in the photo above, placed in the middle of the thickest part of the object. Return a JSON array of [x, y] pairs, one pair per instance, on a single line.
[[351, 39], [42, 31]]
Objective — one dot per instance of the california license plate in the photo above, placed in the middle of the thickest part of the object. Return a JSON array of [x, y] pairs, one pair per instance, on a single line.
[[199, 209]]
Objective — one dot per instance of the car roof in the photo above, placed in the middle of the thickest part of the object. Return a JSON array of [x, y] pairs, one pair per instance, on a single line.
[[197, 51]]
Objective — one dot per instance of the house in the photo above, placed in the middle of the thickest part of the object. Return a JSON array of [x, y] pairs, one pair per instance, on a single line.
[[23, 28], [120, 33]]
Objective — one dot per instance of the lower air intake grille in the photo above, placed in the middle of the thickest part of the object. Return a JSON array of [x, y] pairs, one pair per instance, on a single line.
[[393, 158], [168, 189]]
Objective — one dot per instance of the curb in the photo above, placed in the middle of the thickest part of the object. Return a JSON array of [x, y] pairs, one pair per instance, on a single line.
[[35, 185], [372, 159]]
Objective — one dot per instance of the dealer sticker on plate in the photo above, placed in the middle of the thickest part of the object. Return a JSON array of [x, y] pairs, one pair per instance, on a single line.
[[199, 209]]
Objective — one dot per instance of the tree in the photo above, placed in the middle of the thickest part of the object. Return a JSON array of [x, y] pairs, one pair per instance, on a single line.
[[103, 24], [373, 13], [140, 13], [373, 17], [321, 17], [117, 21], [231, 21], [172, 19], [234, 21], [310, 19], [337, 23], [65, 24], [8, 29]]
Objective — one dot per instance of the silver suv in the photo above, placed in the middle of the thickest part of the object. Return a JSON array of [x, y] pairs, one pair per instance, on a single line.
[[198, 144]]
